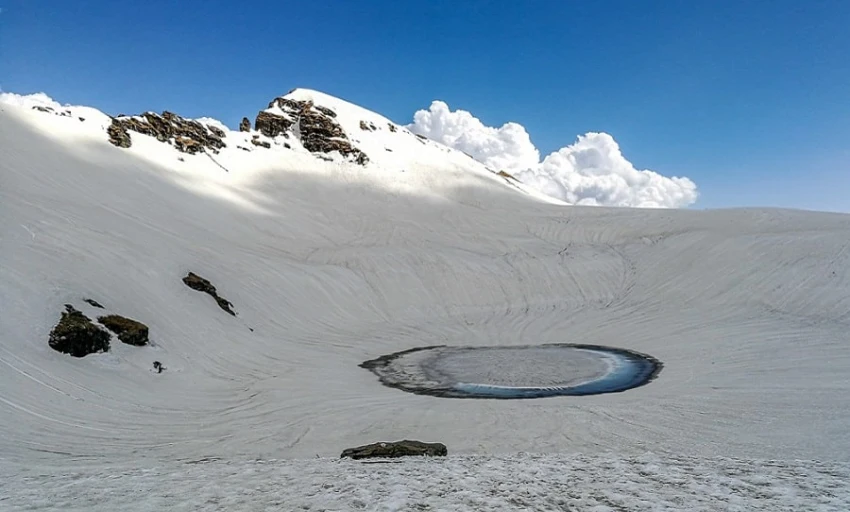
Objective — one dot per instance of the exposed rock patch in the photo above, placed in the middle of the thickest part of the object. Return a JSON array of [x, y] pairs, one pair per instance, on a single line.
[[128, 331], [75, 334], [406, 448], [118, 135], [369, 127], [507, 175], [184, 134], [200, 284], [93, 303], [392, 127], [245, 125], [318, 130]]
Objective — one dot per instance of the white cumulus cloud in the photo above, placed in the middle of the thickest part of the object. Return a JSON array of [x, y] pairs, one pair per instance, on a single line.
[[592, 171], [38, 99]]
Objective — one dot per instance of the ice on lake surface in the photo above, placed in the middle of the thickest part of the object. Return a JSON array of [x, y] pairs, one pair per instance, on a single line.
[[515, 372]]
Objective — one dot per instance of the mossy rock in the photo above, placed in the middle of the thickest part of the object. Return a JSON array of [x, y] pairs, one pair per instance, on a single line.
[[77, 335], [406, 448], [129, 331]]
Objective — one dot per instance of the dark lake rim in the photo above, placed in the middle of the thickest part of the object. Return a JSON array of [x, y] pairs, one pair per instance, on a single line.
[[377, 364]]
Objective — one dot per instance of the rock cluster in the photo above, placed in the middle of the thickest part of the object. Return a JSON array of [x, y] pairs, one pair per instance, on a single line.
[[75, 334], [128, 331], [406, 448], [245, 125], [200, 284], [318, 131], [369, 127], [262, 143], [184, 134]]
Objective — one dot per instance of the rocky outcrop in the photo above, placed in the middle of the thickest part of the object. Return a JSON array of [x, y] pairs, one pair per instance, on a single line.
[[369, 127], [93, 303], [318, 130], [245, 125], [128, 331], [186, 135], [507, 175], [75, 334], [118, 135], [406, 448], [200, 284], [392, 127], [262, 143]]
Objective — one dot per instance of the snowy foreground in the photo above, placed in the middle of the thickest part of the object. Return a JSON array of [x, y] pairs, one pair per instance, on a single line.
[[329, 264], [459, 483]]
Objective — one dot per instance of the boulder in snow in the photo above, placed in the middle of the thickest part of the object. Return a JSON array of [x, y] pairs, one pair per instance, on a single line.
[[93, 303], [75, 334], [128, 331], [405, 448]]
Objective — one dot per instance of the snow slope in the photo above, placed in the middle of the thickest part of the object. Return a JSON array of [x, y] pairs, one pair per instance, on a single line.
[[332, 264]]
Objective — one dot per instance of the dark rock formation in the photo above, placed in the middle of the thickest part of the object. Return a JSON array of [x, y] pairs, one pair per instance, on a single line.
[[245, 125], [200, 284], [369, 127], [75, 334], [272, 125], [325, 110], [218, 132], [261, 143], [128, 331], [392, 127], [186, 135], [406, 448], [41, 108], [319, 132], [118, 135], [93, 303], [507, 175]]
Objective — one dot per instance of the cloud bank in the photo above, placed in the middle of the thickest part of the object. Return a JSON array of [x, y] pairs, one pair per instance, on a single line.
[[591, 171], [29, 100]]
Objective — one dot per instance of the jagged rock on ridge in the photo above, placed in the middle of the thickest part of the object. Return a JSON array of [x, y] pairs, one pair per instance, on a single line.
[[77, 335], [245, 125], [118, 135], [129, 331], [186, 135], [405, 448], [271, 125], [507, 175], [200, 284], [318, 130]]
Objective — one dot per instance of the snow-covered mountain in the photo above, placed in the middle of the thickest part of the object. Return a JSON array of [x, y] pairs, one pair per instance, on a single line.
[[337, 236]]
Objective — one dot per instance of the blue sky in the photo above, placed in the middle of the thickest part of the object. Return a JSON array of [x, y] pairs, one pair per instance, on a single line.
[[750, 99]]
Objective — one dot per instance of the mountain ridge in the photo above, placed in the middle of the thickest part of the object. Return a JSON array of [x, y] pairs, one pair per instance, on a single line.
[[301, 122]]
